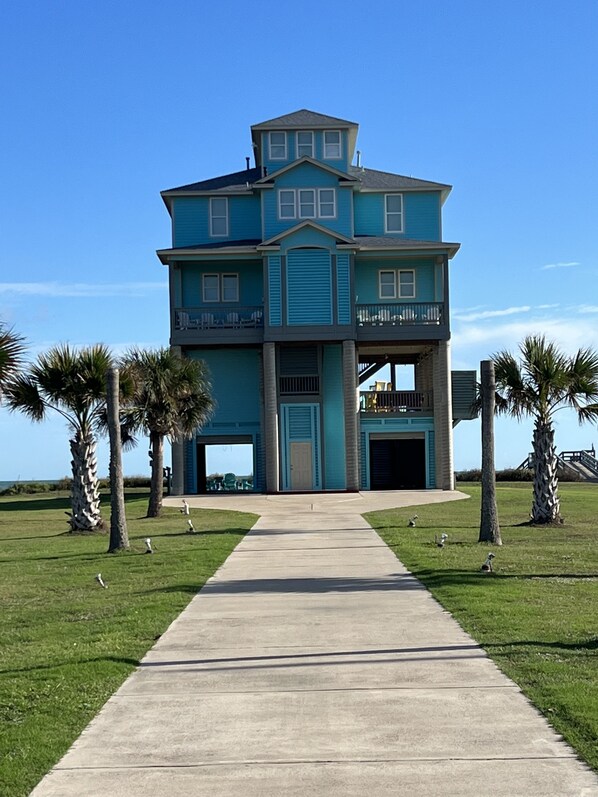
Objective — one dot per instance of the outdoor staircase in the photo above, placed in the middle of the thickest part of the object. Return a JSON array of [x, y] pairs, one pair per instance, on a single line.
[[583, 463]]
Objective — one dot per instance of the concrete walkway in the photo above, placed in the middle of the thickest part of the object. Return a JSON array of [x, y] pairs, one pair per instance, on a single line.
[[313, 663]]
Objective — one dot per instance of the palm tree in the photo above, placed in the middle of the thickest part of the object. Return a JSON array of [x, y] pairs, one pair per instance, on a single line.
[[73, 384], [12, 349], [545, 381], [170, 398]]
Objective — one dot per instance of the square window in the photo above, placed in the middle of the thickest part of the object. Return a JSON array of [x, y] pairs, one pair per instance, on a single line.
[[393, 205], [286, 204], [305, 144], [278, 146], [332, 144], [388, 284], [218, 216], [407, 284], [211, 288], [307, 203], [230, 287], [327, 203]]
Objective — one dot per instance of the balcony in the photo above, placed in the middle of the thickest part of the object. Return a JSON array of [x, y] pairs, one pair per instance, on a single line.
[[219, 324], [299, 385], [422, 320], [394, 401]]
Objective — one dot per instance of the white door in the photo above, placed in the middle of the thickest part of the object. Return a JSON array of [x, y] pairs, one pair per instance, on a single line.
[[301, 466]]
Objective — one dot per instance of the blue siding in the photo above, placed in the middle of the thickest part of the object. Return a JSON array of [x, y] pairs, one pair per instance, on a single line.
[[421, 215], [235, 376], [273, 166], [191, 224], [274, 291], [343, 288], [251, 284], [300, 423], [309, 287], [333, 418], [309, 237], [366, 278]]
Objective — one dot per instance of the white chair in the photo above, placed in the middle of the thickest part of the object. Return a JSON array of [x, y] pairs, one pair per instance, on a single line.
[[206, 320], [182, 319], [232, 320]]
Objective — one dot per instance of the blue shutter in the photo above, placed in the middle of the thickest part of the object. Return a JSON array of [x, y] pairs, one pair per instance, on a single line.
[[275, 290], [309, 287], [343, 286]]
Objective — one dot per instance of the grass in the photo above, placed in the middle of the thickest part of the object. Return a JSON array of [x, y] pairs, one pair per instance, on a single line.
[[536, 615], [66, 644]]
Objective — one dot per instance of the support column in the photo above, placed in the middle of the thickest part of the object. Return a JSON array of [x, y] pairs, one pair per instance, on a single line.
[[443, 417], [178, 468], [271, 419], [351, 414]]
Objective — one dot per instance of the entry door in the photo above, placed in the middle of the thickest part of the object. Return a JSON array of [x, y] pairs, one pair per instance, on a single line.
[[301, 466]]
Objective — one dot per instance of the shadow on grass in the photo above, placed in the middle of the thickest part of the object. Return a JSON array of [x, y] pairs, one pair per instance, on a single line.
[[441, 578], [591, 644], [20, 503], [56, 665]]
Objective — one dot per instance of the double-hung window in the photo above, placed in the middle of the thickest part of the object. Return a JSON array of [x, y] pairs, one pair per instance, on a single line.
[[393, 213], [277, 145], [305, 144], [218, 216], [396, 284], [286, 204], [332, 145], [307, 203], [326, 203], [220, 287]]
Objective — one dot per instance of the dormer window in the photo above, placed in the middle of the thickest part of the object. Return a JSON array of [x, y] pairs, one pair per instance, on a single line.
[[277, 146], [332, 145], [305, 144], [218, 216], [393, 215]]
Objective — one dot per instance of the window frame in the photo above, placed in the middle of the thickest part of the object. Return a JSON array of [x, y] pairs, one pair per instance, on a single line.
[[293, 192], [400, 213], [214, 217], [392, 271], [313, 202], [309, 133], [271, 145], [326, 144], [203, 288], [397, 292], [317, 203], [219, 286], [400, 294], [234, 274], [320, 203]]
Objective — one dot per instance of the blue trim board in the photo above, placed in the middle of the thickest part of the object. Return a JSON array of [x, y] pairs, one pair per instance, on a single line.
[[395, 426], [300, 423]]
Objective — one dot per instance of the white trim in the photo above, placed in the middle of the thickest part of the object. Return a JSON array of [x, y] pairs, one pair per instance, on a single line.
[[203, 287], [280, 203], [313, 202], [270, 145], [396, 293], [213, 217], [325, 156], [313, 144], [394, 284], [393, 213], [320, 215], [234, 274], [405, 271]]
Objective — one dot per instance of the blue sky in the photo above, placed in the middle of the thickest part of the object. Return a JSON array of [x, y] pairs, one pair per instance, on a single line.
[[105, 104]]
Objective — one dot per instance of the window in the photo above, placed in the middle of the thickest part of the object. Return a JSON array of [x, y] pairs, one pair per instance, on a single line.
[[301, 203], [220, 287], [286, 204], [393, 204], [218, 216], [278, 146], [307, 203], [326, 203], [211, 288], [305, 144], [332, 144], [407, 284], [397, 284], [388, 284]]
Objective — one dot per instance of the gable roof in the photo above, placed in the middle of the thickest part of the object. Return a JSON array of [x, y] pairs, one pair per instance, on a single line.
[[302, 225], [301, 119], [325, 167]]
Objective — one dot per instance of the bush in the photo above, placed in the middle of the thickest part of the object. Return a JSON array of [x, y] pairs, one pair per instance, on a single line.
[[514, 475]]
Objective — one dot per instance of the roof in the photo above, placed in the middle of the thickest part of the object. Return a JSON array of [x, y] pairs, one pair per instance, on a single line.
[[236, 181], [372, 178], [301, 119], [388, 242]]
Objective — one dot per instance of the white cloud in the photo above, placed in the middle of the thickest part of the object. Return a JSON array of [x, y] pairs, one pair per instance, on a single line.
[[588, 308], [479, 316], [559, 265], [81, 289]]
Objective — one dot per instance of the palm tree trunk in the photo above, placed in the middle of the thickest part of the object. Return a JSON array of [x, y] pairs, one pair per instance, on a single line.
[[85, 493], [157, 480], [489, 526], [546, 507], [119, 538]]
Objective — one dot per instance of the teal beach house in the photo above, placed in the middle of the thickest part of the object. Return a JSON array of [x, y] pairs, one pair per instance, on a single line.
[[317, 292]]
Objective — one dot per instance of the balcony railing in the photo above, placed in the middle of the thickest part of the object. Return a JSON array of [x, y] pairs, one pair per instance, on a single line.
[[405, 314], [232, 317], [302, 385], [395, 401]]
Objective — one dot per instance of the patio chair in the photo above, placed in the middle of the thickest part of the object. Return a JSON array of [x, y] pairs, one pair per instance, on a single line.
[[206, 320], [229, 482], [232, 320]]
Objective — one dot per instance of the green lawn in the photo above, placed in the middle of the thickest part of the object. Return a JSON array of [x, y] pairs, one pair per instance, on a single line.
[[66, 644], [537, 614]]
